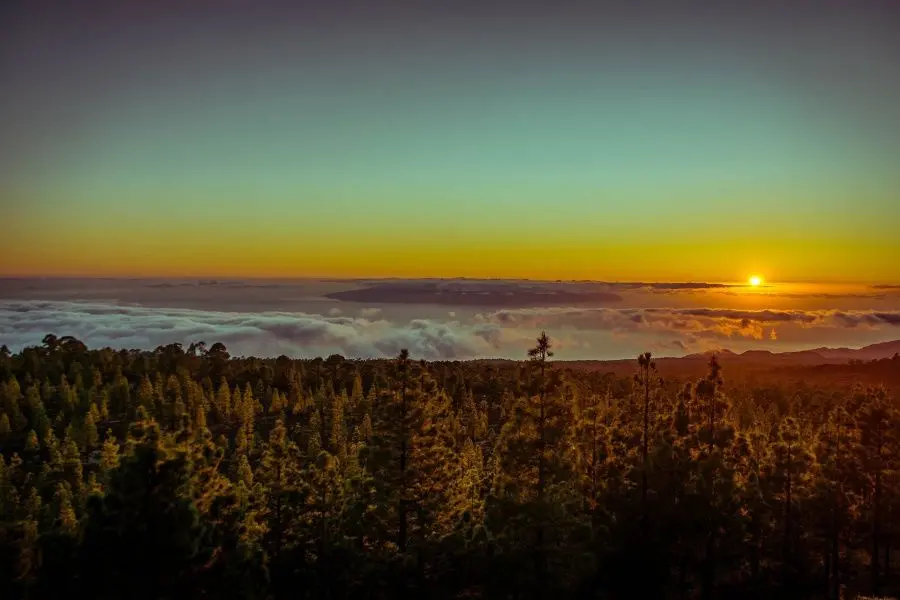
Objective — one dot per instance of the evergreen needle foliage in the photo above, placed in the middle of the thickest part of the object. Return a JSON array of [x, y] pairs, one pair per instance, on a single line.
[[186, 473]]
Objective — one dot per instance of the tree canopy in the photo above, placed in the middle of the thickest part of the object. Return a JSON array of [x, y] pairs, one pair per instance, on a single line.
[[189, 473]]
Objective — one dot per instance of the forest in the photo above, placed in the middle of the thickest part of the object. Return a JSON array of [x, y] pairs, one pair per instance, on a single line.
[[185, 472]]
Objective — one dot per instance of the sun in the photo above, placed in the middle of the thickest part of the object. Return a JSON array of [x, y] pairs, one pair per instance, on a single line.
[[755, 280]]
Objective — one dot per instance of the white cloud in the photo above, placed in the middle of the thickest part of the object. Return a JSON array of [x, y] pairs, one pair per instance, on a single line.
[[577, 332], [696, 322], [266, 333]]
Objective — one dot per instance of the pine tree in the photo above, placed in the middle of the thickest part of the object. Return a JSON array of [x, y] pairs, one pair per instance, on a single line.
[[198, 422], [42, 425], [539, 356], [173, 404], [321, 513], [34, 406], [357, 394], [91, 437], [439, 494], [366, 429], [5, 428], [876, 423], [592, 455], [121, 403], [12, 397], [277, 404], [9, 495], [72, 469], [143, 535], [222, 402], [146, 396], [109, 457], [470, 416], [834, 452], [279, 474], [473, 479], [103, 405], [32, 444], [57, 547], [27, 554], [646, 372], [531, 494], [387, 455], [791, 472], [337, 439], [65, 513]]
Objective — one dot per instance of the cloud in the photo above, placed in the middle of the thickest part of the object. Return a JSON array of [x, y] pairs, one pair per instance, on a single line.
[[762, 316], [665, 346], [872, 319], [576, 331], [697, 322], [262, 334]]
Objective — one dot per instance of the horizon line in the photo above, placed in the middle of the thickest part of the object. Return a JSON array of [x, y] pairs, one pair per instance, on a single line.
[[348, 278]]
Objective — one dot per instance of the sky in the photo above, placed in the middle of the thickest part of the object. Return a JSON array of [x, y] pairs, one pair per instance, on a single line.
[[613, 142]]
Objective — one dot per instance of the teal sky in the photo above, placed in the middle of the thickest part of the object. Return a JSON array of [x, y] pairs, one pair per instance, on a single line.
[[359, 131]]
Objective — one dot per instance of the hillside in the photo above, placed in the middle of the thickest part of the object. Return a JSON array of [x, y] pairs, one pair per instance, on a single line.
[[873, 365]]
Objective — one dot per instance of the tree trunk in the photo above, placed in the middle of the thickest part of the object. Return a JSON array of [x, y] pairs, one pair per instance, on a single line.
[[542, 439], [788, 517], [709, 567], [835, 561], [593, 500], [323, 545], [646, 376], [541, 567], [835, 582], [278, 520], [754, 559], [876, 533], [401, 533]]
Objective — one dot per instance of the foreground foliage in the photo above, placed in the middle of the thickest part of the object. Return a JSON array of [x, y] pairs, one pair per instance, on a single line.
[[188, 474]]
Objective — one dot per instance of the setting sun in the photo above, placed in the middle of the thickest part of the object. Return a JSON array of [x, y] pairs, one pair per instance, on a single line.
[[755, 280]]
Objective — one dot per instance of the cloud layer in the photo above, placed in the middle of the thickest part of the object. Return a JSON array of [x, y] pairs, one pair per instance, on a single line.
[[269, 333], [500, 333], [697, 322]]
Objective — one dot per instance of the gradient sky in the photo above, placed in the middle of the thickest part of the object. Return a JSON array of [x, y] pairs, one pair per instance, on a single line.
[[274, 139]]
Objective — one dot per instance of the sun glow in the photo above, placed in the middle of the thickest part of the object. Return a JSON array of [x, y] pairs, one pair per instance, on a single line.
[[755, 280]]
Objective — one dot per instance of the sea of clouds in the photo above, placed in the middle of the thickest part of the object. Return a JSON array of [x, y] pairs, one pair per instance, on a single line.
[[367, 333]]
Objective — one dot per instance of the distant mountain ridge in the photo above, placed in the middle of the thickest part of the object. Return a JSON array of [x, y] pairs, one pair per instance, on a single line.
[[870, 364], [822, 355]]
